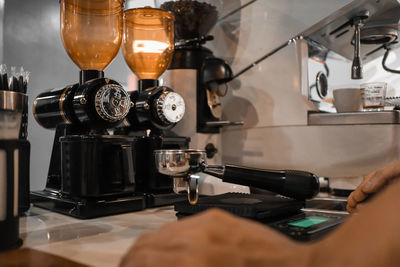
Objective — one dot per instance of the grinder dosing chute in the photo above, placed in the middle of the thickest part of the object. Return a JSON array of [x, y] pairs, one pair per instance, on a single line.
[[184, 164]]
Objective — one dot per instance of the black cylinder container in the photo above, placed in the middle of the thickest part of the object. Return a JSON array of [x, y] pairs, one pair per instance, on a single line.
[[23, 171], [54, 107], [97, 103], [97, 166], [9, 180]]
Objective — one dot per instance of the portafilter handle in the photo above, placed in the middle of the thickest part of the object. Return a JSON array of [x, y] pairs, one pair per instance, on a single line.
[[291, 183]]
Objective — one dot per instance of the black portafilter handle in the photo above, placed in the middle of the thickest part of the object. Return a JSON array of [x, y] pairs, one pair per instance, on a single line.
[[299, 185]]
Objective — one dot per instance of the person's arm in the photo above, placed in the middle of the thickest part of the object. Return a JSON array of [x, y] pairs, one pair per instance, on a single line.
[[369, 238], [373, 183], [215, 238]]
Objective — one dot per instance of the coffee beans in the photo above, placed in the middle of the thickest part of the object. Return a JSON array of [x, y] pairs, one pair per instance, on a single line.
[[193, 19]]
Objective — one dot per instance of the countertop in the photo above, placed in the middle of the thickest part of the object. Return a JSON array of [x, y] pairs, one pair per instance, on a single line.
[[99, 242]]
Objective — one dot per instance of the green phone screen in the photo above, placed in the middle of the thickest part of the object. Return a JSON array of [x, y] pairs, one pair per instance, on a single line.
[[308, 222]]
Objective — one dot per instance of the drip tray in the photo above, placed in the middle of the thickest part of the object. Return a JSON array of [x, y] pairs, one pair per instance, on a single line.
[[328, 204]]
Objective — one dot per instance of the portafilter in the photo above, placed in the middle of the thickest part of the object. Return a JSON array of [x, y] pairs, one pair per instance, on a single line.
[[184, 164]]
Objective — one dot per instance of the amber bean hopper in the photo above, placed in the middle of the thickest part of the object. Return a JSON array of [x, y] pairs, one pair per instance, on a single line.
[[91, 31], [148, 42]]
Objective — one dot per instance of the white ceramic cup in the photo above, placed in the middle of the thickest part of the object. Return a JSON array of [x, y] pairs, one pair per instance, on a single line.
[[347, 99]]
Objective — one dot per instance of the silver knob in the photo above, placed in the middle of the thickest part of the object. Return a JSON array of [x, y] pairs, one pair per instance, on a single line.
[[170, 107]]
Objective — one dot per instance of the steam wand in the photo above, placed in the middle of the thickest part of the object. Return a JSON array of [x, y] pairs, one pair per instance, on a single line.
[[356, 68]]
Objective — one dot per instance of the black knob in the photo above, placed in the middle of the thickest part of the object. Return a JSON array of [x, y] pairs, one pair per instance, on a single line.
[[211, 150]]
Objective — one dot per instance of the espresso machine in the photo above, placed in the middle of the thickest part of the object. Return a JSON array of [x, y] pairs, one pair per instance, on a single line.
[[91, 172], [285, 97], [148, 46]]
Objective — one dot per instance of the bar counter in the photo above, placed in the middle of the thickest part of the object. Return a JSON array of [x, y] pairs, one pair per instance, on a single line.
[[100, 242]]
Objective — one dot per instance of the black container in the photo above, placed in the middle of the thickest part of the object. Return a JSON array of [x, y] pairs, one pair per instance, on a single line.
[[24, 164], [97, 166], [54, 107], [9, 177]]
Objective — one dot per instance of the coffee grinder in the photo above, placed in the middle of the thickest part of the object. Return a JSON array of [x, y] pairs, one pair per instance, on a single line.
[[201, 78], [196, 63], [148, 46], [91, 173]]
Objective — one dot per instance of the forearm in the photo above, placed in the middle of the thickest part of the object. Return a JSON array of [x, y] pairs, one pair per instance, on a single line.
[[370, 238]]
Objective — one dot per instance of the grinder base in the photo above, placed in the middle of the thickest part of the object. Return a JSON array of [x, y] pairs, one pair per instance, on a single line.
[[154, 200], [87, 208]]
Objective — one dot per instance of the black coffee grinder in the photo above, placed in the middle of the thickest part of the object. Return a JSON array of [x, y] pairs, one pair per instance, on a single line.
[[91, 173], [148, 45], [196, 63]]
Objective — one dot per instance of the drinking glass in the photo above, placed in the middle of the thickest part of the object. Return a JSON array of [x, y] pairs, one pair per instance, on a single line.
[[373, 96]]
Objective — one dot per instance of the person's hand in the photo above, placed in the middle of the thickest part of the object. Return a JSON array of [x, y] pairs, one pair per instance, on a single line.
[[373, 183], [214, 238]]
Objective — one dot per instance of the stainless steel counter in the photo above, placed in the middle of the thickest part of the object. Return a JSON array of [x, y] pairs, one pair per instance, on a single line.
[[97, 242], [354, 118]]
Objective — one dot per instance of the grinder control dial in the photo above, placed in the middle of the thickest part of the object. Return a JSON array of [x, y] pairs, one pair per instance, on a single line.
[[112, 103], [170, 107]]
